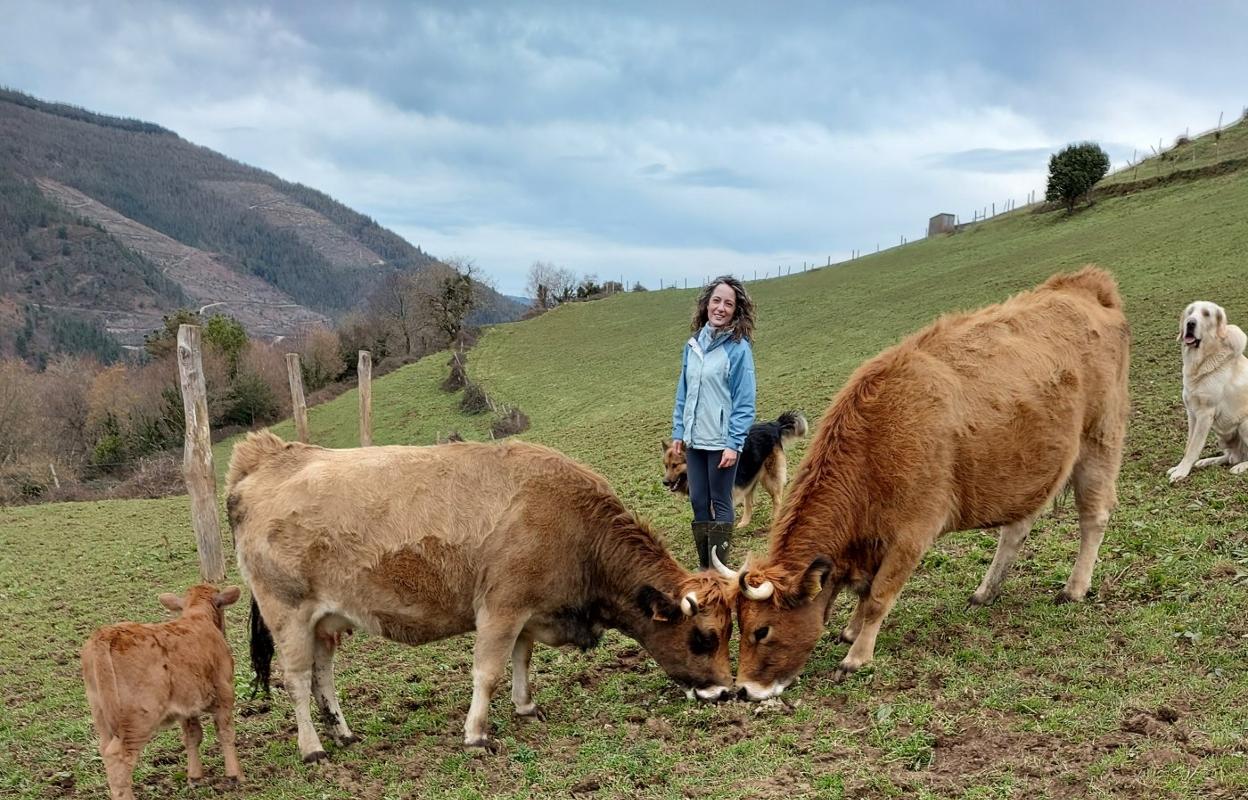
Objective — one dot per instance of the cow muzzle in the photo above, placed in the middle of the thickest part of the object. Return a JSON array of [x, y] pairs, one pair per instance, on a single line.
[[757, 692], [710, 694]]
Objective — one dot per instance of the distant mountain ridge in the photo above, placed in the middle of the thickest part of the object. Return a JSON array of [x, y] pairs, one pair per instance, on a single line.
[[114, 222]]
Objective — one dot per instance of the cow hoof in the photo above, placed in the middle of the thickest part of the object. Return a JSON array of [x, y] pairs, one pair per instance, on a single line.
[[315, 756], [976, 601], [532, 713], [482, 745], [1064, 597], [347, 741]]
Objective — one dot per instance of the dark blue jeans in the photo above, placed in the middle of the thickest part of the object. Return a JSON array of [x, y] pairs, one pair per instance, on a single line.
[[709, 486]]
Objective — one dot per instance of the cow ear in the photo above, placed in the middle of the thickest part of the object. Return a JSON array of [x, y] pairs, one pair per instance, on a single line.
[[816, 577], [657, 605], [226, 597], [170, 601]]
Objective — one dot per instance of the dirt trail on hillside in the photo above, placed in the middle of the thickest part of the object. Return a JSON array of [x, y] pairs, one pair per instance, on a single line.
[[314, 229], [211, 284]]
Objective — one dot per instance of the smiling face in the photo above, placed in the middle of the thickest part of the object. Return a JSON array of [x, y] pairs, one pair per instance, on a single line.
[[1199, 321], [722, 306]]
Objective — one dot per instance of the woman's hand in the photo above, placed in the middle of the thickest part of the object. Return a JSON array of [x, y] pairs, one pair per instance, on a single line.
[[677, 447], [727, 459]]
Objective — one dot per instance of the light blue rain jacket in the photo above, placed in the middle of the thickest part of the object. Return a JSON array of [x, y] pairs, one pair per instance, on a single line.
[[715, 393]]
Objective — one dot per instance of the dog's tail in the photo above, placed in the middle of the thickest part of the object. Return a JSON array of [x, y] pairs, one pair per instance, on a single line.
[[792, 426]]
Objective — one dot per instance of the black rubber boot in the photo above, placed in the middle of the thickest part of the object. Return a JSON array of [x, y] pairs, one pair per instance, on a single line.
[[719, 539], [700, 531]]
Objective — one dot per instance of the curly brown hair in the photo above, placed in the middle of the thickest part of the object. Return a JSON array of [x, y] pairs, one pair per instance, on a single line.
[[742, 318]]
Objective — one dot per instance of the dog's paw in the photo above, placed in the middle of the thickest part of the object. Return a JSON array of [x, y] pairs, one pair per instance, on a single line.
[[1178, 473], [1240, 468]]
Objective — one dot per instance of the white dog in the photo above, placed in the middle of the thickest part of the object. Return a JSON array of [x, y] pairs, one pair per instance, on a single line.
[[1215, 388]]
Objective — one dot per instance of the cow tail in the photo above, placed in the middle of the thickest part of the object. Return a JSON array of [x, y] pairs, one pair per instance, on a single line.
[[107, 692], [261, 651]]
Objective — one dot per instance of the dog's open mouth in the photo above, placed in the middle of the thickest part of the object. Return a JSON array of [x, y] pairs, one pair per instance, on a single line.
[[1191, 341]]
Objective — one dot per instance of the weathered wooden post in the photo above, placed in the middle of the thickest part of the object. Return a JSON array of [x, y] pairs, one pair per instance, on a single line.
[[298, 405], [365, 370], [201, 479]]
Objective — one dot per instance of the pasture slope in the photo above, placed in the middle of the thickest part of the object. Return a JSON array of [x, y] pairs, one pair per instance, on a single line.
[[1140, 692]]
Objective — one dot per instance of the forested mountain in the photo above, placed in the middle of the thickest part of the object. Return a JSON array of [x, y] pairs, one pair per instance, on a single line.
[[111, 223]]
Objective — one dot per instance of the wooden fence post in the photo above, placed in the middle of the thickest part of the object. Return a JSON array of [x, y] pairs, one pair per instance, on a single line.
[[201, 479], [365, 370], [298, 405]]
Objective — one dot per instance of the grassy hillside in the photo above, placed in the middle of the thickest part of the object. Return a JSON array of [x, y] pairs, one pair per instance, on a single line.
[[1140, 692], [1225, 149]]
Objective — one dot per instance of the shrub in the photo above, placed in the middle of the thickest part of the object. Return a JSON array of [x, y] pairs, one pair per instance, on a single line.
[[251, 400], [160, 476], [110, 452], [512, 421], [474, 400], [1074, 171], [458, 378]]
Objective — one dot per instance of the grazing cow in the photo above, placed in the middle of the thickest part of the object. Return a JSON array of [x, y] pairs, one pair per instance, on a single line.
[[141, 678], [512, 540], [974, 422]]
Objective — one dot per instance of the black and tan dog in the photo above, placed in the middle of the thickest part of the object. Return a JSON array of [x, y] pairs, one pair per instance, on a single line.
[[762, 460]]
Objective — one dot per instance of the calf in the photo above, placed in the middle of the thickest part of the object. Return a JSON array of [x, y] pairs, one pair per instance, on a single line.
[[141, 678]]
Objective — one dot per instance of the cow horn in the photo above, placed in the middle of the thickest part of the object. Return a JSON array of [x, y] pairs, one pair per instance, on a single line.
[[726, 572], [761, 592], [689, 604]]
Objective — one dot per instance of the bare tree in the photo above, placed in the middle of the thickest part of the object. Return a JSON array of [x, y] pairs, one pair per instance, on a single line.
[[550, 285], [395, 301], [541, 284], [18, 406]]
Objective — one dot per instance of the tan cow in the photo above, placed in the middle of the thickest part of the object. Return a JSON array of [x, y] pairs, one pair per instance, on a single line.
[[513, 540], [141, 678], [974, 422]]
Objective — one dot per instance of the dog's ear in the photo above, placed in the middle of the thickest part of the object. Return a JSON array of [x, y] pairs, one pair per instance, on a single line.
[[1182, 319], [667, 445], [1220, 316]]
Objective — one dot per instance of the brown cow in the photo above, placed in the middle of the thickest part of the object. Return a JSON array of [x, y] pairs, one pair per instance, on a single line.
[[513, 540], [141, 678], [975, 422]]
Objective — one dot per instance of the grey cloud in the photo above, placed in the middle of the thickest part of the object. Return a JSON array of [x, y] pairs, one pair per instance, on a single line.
[[990, 159]]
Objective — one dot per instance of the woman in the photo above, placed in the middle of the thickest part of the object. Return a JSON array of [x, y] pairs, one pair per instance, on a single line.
[[715, 408]]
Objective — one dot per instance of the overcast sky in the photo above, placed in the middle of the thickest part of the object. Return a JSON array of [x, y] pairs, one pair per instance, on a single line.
[[645, 141]]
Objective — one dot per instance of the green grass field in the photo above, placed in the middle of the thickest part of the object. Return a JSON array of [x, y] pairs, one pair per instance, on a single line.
[[1140, 692], [1227, 147]]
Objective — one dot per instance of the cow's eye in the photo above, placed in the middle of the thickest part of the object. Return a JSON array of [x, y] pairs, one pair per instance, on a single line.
[[703, 643], [762, 633]]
